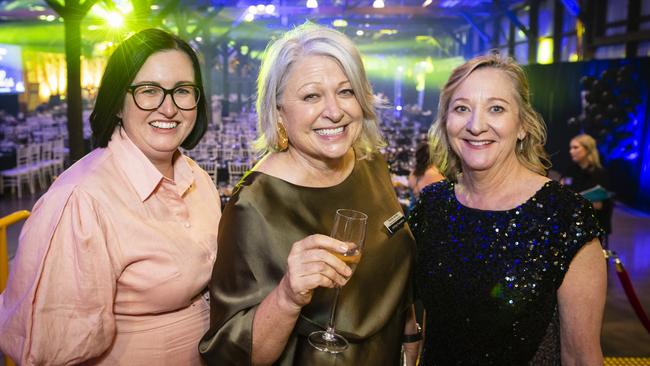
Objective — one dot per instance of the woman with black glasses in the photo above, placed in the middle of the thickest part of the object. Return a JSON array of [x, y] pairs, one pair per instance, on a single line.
[[113, 263]]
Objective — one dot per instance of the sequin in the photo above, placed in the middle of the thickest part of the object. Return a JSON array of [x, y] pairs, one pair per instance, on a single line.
[[501, 269]]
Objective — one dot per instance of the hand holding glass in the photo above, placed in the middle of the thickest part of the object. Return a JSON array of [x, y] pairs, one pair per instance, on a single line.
[[349, 227]]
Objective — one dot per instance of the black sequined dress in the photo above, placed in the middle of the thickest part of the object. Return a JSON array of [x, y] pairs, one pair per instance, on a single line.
[[488, 279]]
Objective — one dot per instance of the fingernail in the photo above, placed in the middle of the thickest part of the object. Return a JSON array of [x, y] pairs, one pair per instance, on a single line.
[[343, 248], [348, 271]]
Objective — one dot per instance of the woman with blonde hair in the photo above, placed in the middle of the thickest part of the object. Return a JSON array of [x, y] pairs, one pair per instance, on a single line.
[[587, 172], [509, 265]]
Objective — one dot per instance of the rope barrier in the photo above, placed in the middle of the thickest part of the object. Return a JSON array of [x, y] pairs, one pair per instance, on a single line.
[[624, 277]]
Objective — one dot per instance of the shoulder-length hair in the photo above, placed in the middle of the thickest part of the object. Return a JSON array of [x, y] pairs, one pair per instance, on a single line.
[[589, 144], [279, 57], [121, 69], [529, 151]]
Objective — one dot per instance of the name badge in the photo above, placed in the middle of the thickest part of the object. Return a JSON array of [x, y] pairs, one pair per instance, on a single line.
[[395, 223]]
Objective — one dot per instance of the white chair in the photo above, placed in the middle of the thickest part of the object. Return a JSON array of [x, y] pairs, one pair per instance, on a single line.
[[210, 166], [59, 152], [34, 162], [236, 171], [47, 163], [23, 173]]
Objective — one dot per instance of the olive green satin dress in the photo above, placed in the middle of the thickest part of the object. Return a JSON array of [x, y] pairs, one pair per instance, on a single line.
[[259, 225]]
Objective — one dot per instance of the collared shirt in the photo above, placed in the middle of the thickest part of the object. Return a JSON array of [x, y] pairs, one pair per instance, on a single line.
[[112, 250]]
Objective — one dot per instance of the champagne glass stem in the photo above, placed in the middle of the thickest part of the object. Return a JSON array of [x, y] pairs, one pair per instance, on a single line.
[[330, 324]]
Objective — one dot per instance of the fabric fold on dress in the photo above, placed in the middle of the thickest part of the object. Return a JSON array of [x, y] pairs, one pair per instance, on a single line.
[[261, 222]]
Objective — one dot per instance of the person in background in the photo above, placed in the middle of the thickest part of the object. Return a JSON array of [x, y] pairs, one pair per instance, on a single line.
[[424, 172], [113, 264], [587, 172], [273, 281], [509, 265]]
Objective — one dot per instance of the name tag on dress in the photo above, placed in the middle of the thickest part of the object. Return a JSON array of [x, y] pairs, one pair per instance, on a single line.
[[395, 223]]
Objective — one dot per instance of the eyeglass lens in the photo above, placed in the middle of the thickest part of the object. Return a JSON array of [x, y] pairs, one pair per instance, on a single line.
[[152, 96]]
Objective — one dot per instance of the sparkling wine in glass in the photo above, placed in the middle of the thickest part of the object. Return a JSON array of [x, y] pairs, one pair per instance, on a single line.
[[349, 227]]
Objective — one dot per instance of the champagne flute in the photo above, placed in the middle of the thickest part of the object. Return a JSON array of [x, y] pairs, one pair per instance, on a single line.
[[349, 227]]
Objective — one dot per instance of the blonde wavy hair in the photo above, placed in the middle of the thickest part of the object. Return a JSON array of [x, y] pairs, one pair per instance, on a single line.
[[589, 143], [529, 151], [279, 57]]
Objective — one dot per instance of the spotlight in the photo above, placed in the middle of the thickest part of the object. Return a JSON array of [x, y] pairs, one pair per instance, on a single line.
[[115, 20]]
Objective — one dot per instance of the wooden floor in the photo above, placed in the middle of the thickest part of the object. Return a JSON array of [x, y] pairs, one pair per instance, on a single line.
[[624, 339]]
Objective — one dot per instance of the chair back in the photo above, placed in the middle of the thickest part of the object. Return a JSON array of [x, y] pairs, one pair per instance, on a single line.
[[22, 156]]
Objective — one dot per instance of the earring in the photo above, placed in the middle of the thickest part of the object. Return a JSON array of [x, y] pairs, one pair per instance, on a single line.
[[283, 139], [520, 145]]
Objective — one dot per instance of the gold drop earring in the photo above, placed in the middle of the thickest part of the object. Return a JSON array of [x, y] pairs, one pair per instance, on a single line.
[[283, 139]]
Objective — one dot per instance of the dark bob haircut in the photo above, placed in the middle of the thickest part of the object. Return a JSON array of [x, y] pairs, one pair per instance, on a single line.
[[122, 67]]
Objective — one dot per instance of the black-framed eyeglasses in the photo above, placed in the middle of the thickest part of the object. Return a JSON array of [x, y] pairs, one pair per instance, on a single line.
[[149, 97]]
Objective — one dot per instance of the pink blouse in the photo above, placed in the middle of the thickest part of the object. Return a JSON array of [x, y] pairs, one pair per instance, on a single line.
[[112, 264]]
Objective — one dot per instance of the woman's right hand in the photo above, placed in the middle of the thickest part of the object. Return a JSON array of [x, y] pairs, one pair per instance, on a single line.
[[310, 265]]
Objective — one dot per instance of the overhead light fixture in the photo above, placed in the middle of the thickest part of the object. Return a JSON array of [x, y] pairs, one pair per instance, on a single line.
[[359, 33], [249, 17], [115, 19], [340, 23], [377, 4], [449, 3], [387, 32], [427, 3], [545, 51], [312, 4]]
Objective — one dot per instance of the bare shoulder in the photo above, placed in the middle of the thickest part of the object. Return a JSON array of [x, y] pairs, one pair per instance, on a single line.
[[271, 164], [537, 181]]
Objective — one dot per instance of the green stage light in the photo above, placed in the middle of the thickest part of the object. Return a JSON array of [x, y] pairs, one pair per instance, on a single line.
[[114, 19]]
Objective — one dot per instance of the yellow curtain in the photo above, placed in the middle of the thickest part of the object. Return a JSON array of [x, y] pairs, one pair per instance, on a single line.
[[48, 71]]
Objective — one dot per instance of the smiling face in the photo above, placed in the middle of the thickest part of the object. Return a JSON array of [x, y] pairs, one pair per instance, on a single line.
[[319, 109], [160, 132], [483, 121]]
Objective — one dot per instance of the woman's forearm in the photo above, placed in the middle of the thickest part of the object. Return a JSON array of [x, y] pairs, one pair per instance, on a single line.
[[274, 321], [411, 327]]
